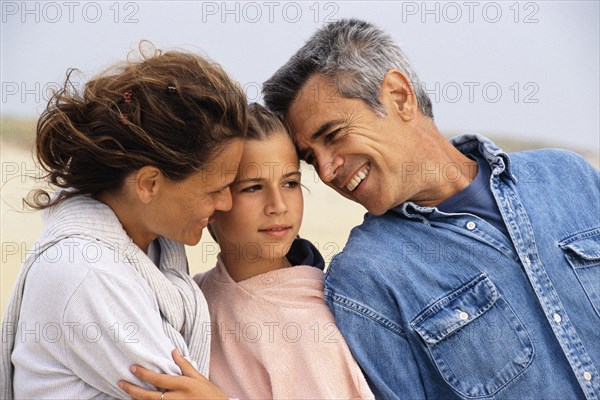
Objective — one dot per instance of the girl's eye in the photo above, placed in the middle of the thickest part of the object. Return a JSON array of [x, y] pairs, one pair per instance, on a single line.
[[251, 189], [291, 184]]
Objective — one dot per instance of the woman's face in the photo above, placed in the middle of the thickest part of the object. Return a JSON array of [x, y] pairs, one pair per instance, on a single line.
[[267, 202], [184, 208]]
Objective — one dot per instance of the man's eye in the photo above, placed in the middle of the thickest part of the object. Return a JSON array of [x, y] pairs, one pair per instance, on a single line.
[[330, 137]]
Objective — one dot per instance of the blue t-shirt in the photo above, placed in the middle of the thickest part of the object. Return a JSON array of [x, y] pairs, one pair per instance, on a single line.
[[477, 198]]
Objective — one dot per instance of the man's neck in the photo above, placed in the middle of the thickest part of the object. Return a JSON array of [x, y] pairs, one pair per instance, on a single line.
[[454, 171]]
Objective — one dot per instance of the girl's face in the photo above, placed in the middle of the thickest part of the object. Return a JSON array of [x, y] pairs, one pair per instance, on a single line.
[[267, 202]]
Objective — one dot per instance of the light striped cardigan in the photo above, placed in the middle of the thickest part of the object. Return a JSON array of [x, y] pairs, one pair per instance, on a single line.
[[179, 301]]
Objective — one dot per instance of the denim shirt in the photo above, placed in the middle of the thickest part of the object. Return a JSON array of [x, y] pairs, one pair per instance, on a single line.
[[440, 305]]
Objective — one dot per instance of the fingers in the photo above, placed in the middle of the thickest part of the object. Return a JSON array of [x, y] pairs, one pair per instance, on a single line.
[[194, 384], [163, 381], [137, 392], [187, 369]]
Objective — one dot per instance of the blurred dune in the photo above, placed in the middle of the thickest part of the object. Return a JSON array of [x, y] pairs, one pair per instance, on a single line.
[[327, 222]]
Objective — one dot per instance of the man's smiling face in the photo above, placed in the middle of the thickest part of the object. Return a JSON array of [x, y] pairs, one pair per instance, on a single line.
[[355, 151]]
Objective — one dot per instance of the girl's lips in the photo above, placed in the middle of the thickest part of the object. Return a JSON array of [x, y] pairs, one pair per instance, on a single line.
[[276, 231]]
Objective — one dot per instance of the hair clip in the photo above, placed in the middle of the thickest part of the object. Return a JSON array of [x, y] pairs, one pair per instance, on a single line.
[[127, 96], [171, 89]]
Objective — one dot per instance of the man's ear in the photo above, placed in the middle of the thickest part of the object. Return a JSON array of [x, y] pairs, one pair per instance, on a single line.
[[398, 91], [148, 181]]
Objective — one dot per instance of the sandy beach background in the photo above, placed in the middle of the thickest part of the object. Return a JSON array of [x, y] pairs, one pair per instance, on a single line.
[[328, 217]]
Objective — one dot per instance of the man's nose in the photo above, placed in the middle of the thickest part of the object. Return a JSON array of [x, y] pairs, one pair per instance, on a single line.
[[328, 165]]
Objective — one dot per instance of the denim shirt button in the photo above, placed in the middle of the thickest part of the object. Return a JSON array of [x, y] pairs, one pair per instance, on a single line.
[[471, 225], [463, 315], [557, 318], [587, 376]]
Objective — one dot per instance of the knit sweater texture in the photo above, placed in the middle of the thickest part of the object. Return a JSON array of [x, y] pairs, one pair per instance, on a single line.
[[88, 303]]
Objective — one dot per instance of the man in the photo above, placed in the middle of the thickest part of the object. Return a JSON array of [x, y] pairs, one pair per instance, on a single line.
[[475, 273]]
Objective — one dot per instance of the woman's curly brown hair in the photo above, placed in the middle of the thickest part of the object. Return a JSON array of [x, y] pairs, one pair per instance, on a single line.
[[172, 110]]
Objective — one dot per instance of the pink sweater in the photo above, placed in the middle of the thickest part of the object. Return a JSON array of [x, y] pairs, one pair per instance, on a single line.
[[274, 337]]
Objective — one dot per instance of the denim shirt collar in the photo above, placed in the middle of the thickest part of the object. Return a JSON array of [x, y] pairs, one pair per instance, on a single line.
[[498, 160], [467, 143]]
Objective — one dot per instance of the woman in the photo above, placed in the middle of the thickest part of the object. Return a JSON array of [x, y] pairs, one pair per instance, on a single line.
[[144, 158]]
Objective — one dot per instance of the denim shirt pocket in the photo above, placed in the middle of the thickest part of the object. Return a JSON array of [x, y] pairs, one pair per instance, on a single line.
[[583, 254], [475, 339]]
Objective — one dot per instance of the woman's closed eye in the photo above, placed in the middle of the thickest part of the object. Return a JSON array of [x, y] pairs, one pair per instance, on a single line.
[[219, 191], [251, 189]]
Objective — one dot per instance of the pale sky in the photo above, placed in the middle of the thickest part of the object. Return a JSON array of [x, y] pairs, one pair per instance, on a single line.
[[516, 69]]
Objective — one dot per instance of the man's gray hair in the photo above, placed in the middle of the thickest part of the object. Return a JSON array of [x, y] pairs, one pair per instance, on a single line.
[[356, 55]]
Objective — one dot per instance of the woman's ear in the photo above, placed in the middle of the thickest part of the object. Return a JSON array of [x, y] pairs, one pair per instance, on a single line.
[[148, 182], [398, 91]]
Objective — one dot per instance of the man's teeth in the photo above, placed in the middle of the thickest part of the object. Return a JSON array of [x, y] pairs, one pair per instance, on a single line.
[[277, 229], [358, 178]]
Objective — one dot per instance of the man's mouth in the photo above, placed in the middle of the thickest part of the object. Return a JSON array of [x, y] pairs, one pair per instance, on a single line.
[[358, 178]]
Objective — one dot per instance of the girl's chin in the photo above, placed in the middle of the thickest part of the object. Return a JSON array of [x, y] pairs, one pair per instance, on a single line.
[[279, 251]]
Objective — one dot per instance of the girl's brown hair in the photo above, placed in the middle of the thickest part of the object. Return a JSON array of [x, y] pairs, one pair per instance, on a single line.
[[172, 110], [262, 123]]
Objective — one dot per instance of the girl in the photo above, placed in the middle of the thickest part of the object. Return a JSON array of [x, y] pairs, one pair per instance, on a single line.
[[272, 334], [144, 156]]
